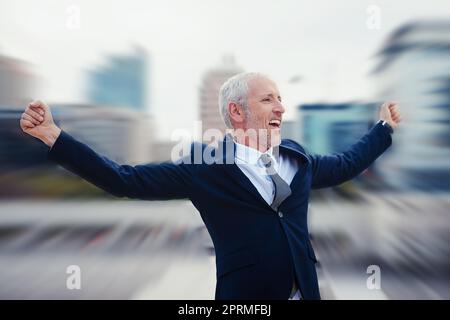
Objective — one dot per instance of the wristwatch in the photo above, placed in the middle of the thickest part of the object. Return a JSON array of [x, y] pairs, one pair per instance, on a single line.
[[387, 125]]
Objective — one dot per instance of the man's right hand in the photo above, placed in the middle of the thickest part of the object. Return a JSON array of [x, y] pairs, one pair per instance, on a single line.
[[38, 122]]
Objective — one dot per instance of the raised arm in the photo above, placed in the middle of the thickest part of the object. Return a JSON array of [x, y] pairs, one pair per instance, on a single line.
[[151, 181], [332, 170]]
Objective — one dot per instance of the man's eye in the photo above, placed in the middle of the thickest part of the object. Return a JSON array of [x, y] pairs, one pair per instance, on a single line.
[[266, 99]]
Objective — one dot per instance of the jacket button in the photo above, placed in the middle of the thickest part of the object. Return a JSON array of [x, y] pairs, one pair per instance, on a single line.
[[280, 214]]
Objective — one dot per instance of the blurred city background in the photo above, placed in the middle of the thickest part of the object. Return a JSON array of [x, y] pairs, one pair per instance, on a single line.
[[124, 76]]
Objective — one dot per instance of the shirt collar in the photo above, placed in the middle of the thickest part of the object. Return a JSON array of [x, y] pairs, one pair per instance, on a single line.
[[250, 155]]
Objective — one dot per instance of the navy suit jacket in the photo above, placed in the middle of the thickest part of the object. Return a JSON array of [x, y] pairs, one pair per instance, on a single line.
[[258, 251]]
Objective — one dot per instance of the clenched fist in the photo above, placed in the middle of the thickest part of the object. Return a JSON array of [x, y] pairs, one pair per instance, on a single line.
[[389, 113], [37, 121]]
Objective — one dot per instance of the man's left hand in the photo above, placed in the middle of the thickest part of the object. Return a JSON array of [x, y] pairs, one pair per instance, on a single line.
[[389, 113]]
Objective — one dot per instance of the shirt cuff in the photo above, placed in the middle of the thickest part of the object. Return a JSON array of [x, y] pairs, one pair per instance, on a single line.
[[386, 125]]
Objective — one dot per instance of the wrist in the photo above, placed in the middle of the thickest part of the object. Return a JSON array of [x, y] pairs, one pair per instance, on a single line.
[[51, 135]]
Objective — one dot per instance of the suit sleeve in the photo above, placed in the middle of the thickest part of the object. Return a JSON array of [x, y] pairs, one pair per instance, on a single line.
[[150, 181], [332, 170]]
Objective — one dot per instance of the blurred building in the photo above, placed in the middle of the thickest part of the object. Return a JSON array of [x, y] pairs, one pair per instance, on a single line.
[[16, 83], [16, 90], [121, 82], [162, 150], [209, 94], [122, 135], [413, 68], [334, 127]]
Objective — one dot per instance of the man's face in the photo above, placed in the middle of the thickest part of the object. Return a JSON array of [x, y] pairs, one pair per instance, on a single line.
[[265, 110]]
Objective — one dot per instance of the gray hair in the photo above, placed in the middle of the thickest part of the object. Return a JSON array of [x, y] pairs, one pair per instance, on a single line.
[[235, 89]]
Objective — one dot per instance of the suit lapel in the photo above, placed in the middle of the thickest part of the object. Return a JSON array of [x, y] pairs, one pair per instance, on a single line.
[[304, 161], [227, 156]]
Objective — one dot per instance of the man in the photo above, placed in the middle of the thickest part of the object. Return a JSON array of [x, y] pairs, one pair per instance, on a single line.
[[254, 206]]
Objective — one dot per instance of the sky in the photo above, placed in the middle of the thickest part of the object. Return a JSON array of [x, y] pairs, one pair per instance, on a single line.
[[329, 45]]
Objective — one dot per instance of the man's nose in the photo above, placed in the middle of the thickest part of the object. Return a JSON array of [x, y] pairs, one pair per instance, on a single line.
[[279, 108]]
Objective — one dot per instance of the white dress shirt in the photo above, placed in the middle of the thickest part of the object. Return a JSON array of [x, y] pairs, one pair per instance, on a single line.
[[249, 161]]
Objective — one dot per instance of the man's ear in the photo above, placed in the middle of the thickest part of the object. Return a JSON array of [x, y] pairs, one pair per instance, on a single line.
[[236, 112]]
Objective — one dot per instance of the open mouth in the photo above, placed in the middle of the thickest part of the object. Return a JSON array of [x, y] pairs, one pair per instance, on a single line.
[[275, 124]]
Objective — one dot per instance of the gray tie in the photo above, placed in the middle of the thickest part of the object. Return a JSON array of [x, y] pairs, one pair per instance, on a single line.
[[282, 189]]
